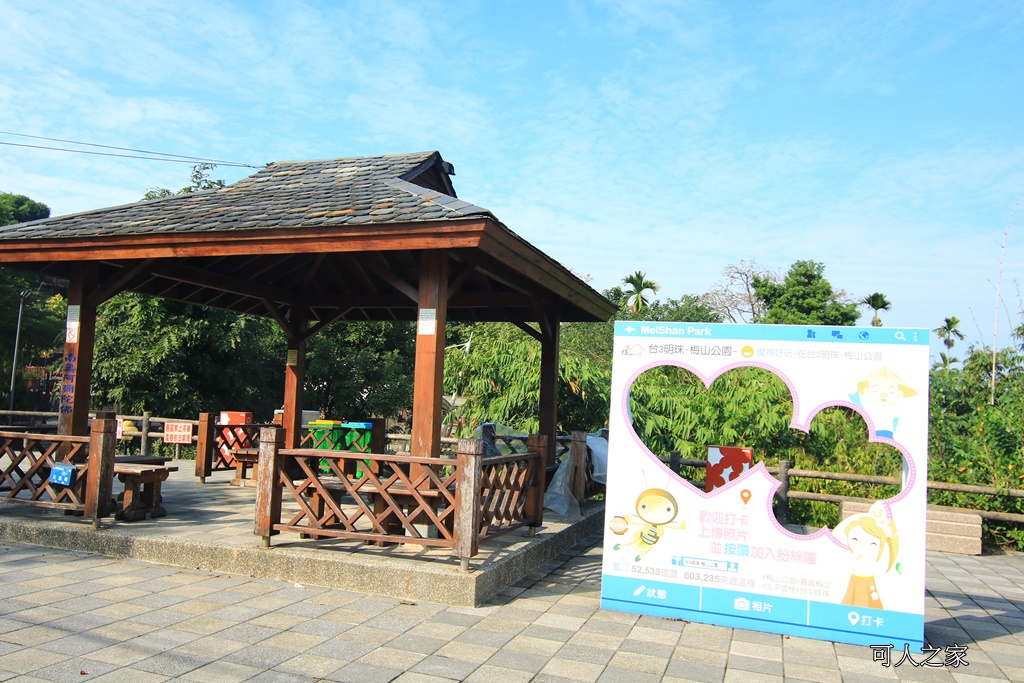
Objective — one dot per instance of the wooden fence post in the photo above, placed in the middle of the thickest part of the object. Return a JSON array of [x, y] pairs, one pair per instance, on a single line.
[[145, 431], [268, 486], [674, 463], [537, 443], [99, 487], [468, 478], [782, 508], [578, 466], [205, 443], [487, 434]]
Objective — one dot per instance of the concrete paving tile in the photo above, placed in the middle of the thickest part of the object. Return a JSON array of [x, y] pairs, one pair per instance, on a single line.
[[741, 676], [310, 665], [221, 672], [72, 669], [758, 650], [481, 637], [33, 635], [586, 653], [120, 675], [573, 670], [211, 647], [616, 675], [76, 645], [489, 674], [171, 663], [345, 650], [260, 656], [695, 671], [469, 652], [363, 673], [638, 662], [28, 660], [518, 660], [644, 647], [808, 672], [755, 665]]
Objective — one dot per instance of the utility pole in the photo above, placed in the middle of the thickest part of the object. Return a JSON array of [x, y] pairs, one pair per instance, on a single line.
[[22, 295]]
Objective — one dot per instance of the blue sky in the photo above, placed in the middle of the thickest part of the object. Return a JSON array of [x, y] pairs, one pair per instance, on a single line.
[[884, 139]]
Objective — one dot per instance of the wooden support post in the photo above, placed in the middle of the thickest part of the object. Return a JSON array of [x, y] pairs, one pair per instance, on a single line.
[[145, 432], [537, 443], [98, 488], [79, 338], [429, 371], [782, 494], [294, 378], [548, 417], [467, 500], [268, 483], [206, 441], [578, 466]]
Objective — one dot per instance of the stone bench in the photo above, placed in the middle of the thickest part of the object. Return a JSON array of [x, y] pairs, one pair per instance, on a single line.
[[948, 530]]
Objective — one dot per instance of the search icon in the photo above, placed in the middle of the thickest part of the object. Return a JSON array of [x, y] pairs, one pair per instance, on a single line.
[[900, 336]]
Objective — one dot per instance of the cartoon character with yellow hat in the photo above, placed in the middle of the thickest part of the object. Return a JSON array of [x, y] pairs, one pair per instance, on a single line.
[[879, 393]]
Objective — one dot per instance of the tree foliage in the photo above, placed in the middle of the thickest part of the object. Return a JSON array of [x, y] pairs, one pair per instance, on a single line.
[[17, 208], [178, 360], [876, 302], [804, 297]]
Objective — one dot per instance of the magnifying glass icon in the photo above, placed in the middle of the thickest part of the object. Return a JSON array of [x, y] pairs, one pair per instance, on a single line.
[[900, 336]]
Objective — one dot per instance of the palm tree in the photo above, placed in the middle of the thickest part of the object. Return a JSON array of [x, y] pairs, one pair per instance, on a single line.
[[949, 332], [946, 360], [638, 284], [878, 302]]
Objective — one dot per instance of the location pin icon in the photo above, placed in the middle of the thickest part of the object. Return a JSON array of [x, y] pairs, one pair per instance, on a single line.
[[745, 495], [853, 617]]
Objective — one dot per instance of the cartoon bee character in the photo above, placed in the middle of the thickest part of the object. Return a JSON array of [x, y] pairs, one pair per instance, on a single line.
[[656, 509]]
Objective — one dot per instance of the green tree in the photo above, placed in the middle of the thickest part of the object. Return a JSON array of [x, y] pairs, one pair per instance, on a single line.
[[42, 316], [178, 360], [638, 284], [949, 332], [17, 208], [200, 180], [804, 297], [877, 302], [358, 370]]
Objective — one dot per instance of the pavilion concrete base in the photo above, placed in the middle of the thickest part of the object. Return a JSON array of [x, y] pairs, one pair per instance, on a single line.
[[406, 572]]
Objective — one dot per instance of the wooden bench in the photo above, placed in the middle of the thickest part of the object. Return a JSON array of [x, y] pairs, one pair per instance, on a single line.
[[948, 530], [245, 459], [141, 490]]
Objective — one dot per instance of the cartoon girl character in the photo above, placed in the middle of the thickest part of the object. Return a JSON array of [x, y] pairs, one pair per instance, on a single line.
[[869, 536], [878, 393], [657, 509]]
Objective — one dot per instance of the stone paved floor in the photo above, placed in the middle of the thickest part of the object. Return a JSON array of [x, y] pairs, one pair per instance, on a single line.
[[74, 617]]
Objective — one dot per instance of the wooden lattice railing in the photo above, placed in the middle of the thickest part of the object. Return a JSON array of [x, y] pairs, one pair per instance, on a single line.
[[385, 498], [28, 460]]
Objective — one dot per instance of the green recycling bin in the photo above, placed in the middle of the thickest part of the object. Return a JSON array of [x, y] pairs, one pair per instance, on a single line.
[[337, 435]]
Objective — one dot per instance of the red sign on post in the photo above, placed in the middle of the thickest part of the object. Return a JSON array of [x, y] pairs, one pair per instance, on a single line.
[[178, 432]]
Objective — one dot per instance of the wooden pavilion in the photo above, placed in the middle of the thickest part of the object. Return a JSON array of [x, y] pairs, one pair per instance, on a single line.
[[309, 243]]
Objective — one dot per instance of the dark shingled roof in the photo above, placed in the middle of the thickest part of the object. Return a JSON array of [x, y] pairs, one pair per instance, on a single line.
[[343, 239], [397, 188]]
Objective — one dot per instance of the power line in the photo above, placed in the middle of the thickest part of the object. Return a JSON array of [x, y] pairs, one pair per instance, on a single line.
[[178, 158]]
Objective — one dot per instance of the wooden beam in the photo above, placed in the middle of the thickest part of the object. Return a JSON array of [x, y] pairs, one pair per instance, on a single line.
[[179, 272], [105, 290], [426, 235], [464, 271], [387, 273], [324, 322], [529, 329]]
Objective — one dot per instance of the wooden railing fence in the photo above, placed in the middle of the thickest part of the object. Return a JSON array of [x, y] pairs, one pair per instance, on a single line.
[[785, 474], [386, 498], [27, 461]]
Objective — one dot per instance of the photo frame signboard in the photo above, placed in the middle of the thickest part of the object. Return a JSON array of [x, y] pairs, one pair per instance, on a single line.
[[722, 557]]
